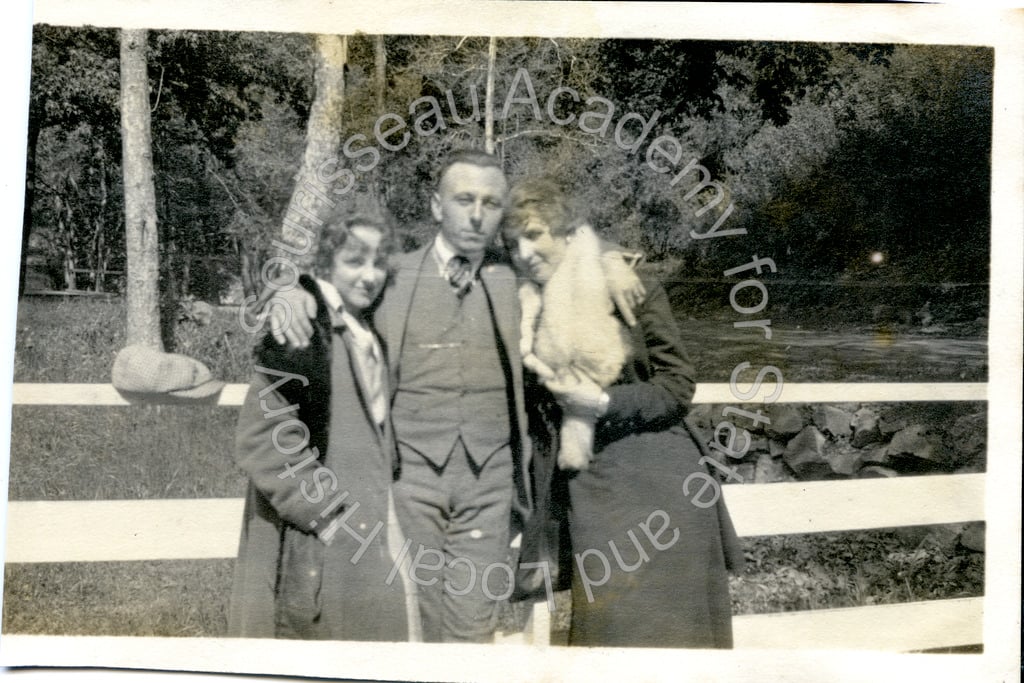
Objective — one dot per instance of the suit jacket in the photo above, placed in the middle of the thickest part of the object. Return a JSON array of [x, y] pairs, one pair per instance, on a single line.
[[499, 283], [285, 575]]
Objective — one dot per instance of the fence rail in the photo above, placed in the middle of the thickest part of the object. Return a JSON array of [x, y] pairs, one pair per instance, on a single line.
[[233, 394], [208, 528], [135, 530]]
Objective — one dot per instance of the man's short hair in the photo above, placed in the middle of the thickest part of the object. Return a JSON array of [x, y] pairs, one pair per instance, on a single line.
[[473, 157], [541, 197]]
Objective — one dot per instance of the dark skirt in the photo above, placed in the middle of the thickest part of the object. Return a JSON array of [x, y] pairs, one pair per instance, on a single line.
[[650, 562]]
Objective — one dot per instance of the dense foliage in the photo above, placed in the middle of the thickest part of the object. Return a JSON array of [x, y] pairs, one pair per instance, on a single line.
[[848, 164]]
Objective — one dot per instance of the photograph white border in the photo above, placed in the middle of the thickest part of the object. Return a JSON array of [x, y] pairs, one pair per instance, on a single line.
[[1000, 29]]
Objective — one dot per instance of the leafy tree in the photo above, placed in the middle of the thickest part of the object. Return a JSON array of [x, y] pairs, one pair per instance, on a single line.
[[209, 93], [74, 130]]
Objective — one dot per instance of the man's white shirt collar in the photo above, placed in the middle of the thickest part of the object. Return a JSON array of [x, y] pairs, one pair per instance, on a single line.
[[443, 253]]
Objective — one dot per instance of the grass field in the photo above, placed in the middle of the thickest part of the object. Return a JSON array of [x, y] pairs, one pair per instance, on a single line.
[[138, 452], [75, 340], [189, 598], [102, 453]]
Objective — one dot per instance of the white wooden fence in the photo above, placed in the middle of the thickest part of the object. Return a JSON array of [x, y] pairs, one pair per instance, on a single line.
[[126, 530]]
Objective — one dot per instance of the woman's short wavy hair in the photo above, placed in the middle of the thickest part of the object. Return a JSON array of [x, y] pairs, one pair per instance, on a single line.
[[540, 197], [336, 233]]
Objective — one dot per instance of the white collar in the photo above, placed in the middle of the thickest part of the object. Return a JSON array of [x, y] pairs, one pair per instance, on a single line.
[[444, 251], [331, 296], [339, 316]]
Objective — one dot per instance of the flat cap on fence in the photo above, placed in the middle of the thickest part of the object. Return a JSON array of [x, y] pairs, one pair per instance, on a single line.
[[141, 372]]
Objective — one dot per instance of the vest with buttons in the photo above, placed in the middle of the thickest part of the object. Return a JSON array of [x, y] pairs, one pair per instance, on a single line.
[[452, 382]]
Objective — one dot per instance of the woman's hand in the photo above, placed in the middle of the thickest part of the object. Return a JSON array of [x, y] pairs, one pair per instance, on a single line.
[[624, 285], [578, 395], [539, 367]]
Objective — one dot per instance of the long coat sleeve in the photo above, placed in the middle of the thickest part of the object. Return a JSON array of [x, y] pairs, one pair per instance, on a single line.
[[313, 455], [656, 387]]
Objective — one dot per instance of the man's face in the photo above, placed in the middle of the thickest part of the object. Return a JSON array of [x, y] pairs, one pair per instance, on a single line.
[[469, 204]]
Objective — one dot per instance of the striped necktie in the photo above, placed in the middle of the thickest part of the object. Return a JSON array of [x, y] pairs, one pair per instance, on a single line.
[[459, 273]]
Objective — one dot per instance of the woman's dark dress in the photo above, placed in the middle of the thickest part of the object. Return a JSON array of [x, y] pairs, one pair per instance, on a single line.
[[677, 596]]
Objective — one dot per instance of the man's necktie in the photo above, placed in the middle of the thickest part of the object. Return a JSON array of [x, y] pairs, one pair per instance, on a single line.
[[459, 274]]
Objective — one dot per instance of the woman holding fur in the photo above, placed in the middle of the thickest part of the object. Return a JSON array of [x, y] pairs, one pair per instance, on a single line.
[[649, 564]]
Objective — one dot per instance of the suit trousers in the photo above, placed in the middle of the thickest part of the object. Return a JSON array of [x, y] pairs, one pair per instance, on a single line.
[[456, 517]]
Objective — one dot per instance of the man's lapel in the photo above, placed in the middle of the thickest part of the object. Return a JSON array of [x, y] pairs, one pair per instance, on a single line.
[[500, 284], [393, 314]]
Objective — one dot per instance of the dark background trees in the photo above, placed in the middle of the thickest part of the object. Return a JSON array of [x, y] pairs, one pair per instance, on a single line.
[[832, 154]]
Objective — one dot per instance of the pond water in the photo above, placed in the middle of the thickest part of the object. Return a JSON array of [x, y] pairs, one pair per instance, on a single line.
[[836, 356]]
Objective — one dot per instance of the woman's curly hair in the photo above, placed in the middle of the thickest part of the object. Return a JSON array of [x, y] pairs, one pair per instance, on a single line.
[[337, 231]]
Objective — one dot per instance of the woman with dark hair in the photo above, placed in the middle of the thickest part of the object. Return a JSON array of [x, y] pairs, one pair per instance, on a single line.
[[649, 562], [319, 537]]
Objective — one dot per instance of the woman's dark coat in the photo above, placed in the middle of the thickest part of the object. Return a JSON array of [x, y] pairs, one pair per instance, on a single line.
[[655, 593], [287, 582]]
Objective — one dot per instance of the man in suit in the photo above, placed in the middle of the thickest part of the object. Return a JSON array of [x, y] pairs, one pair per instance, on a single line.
[[450, 321]]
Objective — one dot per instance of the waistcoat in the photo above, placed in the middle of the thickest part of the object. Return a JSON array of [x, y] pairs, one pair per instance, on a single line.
[[452, 381]]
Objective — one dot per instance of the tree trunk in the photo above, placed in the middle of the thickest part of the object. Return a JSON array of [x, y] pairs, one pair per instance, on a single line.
[[380, 65], [66, 227], [141, 244], [492, 53], [30, 194], [322, 174], [101, 222], [380, 80]]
